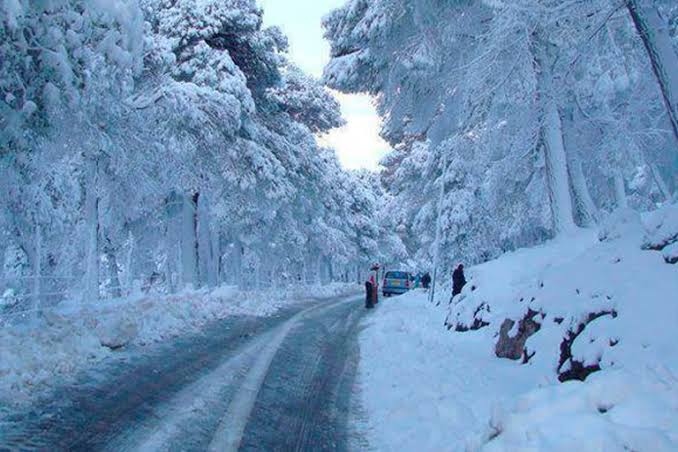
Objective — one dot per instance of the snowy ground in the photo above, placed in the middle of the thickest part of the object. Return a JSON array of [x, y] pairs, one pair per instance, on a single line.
[[427, 388], [37, 355]]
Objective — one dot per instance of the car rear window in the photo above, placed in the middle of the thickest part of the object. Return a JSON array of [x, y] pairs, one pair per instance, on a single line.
[[396, 275]]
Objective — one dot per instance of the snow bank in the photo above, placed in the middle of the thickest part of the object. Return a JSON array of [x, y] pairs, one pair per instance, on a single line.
[[615, 410], [589, 322], [34, 355], [424, 389]]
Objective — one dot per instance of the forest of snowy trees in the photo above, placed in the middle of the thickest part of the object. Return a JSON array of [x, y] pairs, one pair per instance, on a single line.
[[514, 121], [161, 144], [164, 143]]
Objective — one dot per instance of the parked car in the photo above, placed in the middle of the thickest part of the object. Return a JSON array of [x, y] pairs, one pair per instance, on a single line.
[[397, 283]]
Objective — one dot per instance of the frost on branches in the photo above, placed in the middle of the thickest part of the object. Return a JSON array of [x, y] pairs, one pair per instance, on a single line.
[[535, 116], [158, 144]]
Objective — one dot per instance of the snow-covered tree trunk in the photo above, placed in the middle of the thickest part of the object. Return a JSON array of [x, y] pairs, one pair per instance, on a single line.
[[661, 183], [257, 275], [587, 208], [653, 30], [113, 270], [3, 259], [552, 137], [91, 292], [438, 226], [205, 268], [556, 168], [173, 224], [619, 190], [37, 271], [330, 269], [189, 245], [215, 259], [318, 269], [129, 262], [236, 258], [304, 276]]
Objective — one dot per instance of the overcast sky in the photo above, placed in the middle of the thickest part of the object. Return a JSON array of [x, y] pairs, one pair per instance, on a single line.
[[358, 143]]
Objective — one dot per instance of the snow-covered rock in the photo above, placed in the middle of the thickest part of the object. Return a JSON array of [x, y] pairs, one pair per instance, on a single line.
[[623, 222], [662, 228], [670, 253], [613, 411], [119, 333]]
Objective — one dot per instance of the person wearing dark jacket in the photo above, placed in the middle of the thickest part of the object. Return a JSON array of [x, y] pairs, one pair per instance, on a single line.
[[426, 280], [369, 294], [458, 280]]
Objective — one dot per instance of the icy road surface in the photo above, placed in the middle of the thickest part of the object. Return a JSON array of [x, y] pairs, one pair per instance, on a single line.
[[279, 383]]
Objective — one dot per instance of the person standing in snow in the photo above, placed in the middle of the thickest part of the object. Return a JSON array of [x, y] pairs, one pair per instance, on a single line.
[[369, 294], [374, 280], [426, 280], [458, 280]]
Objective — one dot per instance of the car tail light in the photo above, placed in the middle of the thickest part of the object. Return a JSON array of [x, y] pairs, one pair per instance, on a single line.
[[407, 284]]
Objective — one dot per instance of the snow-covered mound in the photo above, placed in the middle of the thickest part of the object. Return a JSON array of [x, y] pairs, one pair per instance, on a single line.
[[37, 354], [568, 345], [582, 302]]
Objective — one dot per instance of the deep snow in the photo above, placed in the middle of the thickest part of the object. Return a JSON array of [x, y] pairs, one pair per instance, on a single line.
[[37, 355], [427, 388]]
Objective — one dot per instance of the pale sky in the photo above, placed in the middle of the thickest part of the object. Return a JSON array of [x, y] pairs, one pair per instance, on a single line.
[[358, 144]]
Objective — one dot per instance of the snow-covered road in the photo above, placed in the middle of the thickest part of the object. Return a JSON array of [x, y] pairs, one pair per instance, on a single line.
[[282, 382]]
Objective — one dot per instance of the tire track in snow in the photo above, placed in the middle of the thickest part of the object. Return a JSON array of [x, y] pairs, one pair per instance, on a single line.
[[230, 431], [175, 398], [306, 400], [190, 405]]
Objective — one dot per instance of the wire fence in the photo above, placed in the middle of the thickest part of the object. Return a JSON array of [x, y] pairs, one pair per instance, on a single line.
[[22, 299]]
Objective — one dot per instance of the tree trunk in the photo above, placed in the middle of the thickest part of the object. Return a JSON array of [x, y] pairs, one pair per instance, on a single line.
[[189, 255], [552, 136], [583, 203], [257, 275], [92, 220], [129, 274], [174, 215], [661, 183], [237, 257], [205, 268], [438, 226], [587, 208], [37, 271], [556, 169], [113, 271], [653, 30], [619, 190], [215, 254], [304, 271], [318, 270]]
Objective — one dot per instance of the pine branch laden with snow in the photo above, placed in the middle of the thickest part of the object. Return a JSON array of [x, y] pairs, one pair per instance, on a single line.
[[162, 144], [653, 30], [548, 113]]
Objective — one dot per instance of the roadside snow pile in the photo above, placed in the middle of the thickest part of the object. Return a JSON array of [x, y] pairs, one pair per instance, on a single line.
[[424, 389], [34, 355], [588, 324]]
